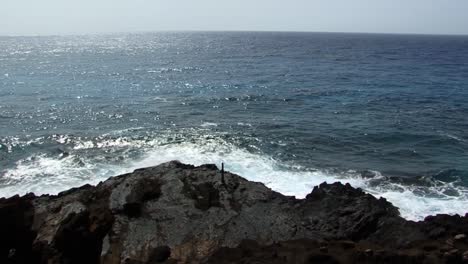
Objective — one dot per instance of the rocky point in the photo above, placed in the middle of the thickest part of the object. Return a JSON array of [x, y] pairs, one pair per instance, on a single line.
[[177, 213]]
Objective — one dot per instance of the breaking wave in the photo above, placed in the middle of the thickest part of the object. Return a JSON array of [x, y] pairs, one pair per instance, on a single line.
[[76, 161]]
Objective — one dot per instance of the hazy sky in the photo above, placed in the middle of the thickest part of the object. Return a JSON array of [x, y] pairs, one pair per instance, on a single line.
[[32, 17]]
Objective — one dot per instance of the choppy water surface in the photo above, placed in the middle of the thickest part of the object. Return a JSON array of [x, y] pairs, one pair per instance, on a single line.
[[386, 113]]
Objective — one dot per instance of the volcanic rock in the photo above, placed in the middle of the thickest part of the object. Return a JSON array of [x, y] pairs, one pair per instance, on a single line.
[[177, 213]]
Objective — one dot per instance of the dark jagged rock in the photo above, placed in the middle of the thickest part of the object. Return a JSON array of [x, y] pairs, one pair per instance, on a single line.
[[177, 213]]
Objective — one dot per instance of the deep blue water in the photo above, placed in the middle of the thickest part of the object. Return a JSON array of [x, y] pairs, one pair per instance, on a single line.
[[387, 113]]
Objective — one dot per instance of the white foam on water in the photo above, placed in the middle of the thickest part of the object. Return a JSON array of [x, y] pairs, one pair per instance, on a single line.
[[299, 183], [209, 124], [46, 175], [43, 174]]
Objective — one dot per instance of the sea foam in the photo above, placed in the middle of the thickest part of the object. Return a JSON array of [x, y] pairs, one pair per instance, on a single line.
[[45, 174]]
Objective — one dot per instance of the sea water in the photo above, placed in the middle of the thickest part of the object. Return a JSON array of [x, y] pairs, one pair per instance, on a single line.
[[386, 113]]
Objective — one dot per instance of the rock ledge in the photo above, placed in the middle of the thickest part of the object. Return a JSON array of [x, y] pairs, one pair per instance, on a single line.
[[177, 213]]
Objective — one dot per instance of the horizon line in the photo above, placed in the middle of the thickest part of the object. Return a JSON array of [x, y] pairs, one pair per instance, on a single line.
[[228, 31]]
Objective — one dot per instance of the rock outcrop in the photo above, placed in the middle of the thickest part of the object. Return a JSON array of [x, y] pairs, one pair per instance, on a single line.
[[177, 213]]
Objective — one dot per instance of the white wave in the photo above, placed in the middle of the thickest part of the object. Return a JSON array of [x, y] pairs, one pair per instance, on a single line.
[[450, 135], [299, 183], [51, 175], [46, 175], [244, 124], [158, 98], [454, 137], [209, 124]]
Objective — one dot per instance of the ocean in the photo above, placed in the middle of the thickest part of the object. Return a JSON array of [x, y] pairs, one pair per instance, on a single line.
[[385, 113]]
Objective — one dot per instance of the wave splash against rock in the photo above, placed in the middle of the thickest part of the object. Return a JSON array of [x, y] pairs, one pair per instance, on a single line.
[[177, 213]]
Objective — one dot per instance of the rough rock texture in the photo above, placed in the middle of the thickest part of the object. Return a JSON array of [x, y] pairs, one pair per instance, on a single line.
[[176, 213]]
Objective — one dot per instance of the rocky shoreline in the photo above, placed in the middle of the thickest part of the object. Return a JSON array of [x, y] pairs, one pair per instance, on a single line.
[[177, 213]]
